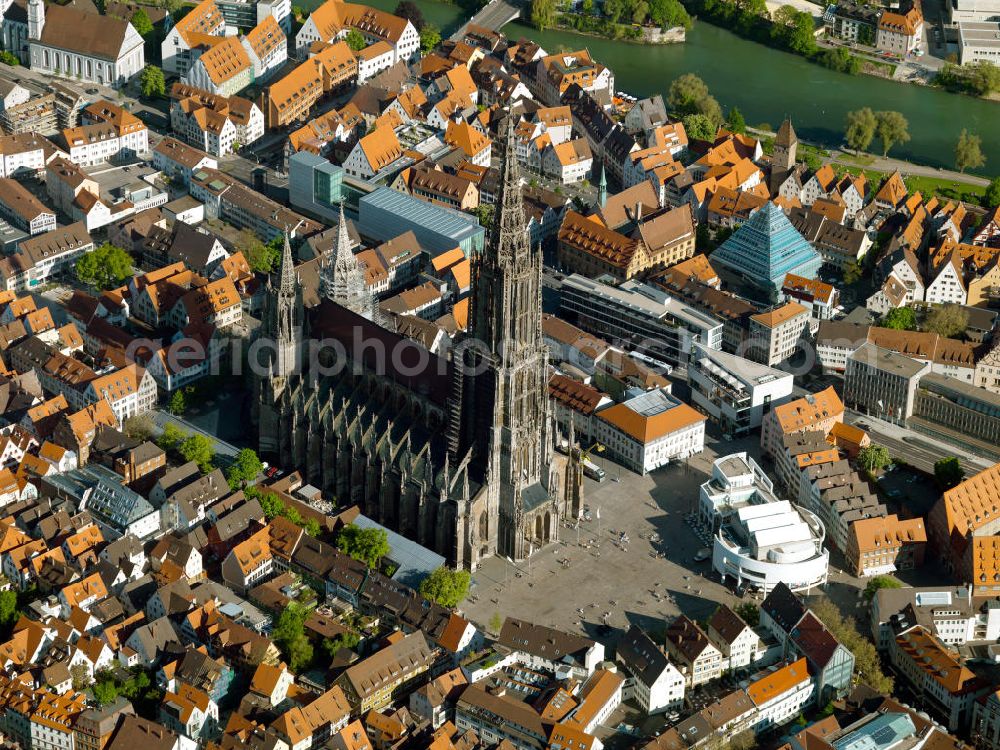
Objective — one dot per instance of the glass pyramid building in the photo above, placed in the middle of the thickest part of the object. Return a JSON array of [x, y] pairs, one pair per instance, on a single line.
[[766, 248]]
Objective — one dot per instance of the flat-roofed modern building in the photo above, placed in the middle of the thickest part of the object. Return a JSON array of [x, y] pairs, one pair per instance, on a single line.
[[955, 405], [639, 317], [882, 383], [760, 541], [979, 41], [387, 213], [735, 392], [315, 186]]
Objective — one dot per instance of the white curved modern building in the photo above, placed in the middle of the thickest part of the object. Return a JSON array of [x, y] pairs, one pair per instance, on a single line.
[[759, 540]]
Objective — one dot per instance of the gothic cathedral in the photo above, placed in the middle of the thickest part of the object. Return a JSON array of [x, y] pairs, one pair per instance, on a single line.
[[454, 452]]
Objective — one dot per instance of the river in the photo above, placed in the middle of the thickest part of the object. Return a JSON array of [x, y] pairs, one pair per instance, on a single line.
[[769, 85]]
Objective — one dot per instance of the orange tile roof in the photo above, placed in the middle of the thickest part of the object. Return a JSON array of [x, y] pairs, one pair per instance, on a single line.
[[803, 413], [381, 148], [780, 315], [871, 534], [204, 18], [225, 60], [463, 136], [973, 503], [893, 190], [588, 235], [266, 37], [646, 429], [779, 682]]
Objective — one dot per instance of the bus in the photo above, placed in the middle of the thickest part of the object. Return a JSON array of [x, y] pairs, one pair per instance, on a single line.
[[593, 471]]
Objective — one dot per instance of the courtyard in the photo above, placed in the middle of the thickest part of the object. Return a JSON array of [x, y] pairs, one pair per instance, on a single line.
[[592, 583]]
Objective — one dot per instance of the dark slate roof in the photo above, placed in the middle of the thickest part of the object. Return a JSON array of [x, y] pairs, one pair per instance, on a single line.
[[641, 656], [782, 606]]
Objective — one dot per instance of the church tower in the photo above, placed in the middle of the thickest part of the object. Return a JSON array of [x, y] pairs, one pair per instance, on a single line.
[[786, 143], [341, 277], [506, 416], [36, 19], [280, 337]]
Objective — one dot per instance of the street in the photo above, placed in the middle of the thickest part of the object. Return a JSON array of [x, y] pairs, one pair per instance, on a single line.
[[919, 450]]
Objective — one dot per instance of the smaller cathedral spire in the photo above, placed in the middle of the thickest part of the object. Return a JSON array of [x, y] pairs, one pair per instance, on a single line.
[[342, 278]]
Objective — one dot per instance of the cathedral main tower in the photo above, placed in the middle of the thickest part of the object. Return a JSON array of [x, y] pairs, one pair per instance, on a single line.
[[279, 339], [506, 409]]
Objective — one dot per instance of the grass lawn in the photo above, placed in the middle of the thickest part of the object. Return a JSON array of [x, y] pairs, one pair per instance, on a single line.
[[861, 160], [937, 185]]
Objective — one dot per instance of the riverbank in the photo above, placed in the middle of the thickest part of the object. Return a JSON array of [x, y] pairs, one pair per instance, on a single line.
[[601, 28]]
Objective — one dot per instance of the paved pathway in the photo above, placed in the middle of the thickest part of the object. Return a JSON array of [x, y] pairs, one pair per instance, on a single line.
[[881, 164]]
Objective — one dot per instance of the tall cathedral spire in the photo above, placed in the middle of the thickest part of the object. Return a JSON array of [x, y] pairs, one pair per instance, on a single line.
[[505, 411], [281, 333], [342, 278]]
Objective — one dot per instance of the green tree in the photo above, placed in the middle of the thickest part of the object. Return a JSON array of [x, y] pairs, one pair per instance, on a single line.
[[669, 14], [105, 691], [749, 613], [892, 128], [983, 77], [615, 10], [735, 122], [9, 612], [198, 448], [272, 506], [543, 13], [430, 37], [991, 198], [9, 58], [345, 640], [171, 437], [410, 11], [689, 95], [969, 151], [794, 29], [901, 319], [496, 622], [841, 60], [948, 472], [445, 586], [852, 273], [263, 257], [139, 427], [177, 404], [105, 267], [484, 212], [699, 127], [366, 545], [289, 635], [312, 528], [947, 320], [640, 12], [873, 458], [141, 23], [245, 468], [867, 664], [860, 130], [151, 82], [355, 40], [880, 582]]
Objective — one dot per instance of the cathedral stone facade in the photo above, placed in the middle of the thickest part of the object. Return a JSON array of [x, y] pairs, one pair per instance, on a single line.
[[454, 451]]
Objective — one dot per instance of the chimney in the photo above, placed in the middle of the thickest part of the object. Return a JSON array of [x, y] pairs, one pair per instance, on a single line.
[[638, 211]]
